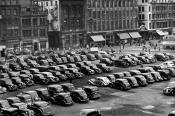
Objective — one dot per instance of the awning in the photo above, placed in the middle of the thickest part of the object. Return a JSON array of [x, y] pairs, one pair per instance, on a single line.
[[135, 35], [97, 38], [161, 33], [123, 35]]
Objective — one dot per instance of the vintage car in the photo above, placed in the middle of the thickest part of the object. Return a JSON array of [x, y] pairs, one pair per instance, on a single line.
[[95, 68], [91, 57], [14, 67], [70, 59], [50, 61], [92, 92], [32, 63], [55, 68], [151, 58], [4, 69], [126, 74], [98, 56], [55, 89], [13, 100], [121, 84], [58, 61], [132, 81], [64, 59], [76, 73], [72, 66], [26, 98], [87, 70], [156, 67], [170, 89], [80, 64], [167, 64], [104, 68], [107, 61], [77, 58], [23, 109], [161, 57], [50, 77], [111, 77], [165, 74], [146, 69], [141, 80], [43, 62], [90, 112], [17, 81], [130, 61], [13, 74], [27, 79], [99, 81], [27, 72], [33, 95], [40, 79], [121, 63], [43, 94], [7, 83], [148, 77], [68, 87], [42, 108], [4, 104], [172, 71], [43, 68], [79, 96], [83, 57], [171, 57], [2, 90], [4, 75], [58, 74], [63, 98], [143, 59], [157, 77], [118, 75], [134, 72], [34, 71]]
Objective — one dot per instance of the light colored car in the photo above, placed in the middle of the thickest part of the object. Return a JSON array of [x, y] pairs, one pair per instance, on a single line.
[[167, 64], [89, 112], [100, 81]]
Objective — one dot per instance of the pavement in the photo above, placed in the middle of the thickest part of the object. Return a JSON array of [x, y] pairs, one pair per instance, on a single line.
[[142, 101]]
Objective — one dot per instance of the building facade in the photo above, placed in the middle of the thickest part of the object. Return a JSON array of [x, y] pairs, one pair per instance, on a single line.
[[157, 15], [23, 24]]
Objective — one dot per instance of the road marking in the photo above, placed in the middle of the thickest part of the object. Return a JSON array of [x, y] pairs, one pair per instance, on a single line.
[[148, 107]]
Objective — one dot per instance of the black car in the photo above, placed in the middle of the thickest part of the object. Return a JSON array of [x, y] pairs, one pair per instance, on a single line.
[[92, 92], [43, 94], [87, 70], [27, 79], [83, 57], [157, 77], [68, 87], [134, 72], [104, 68], [79, 96], [107, 61], [76, 73], [13, 100], [121, 84], [7, 83], [14, 67], [64, 59], [132, 81], [58, 74], [17, 81], [77, 58], [40, 79], [141, 80], [70, 59], [165, 74], [121, 63], [118, 75]]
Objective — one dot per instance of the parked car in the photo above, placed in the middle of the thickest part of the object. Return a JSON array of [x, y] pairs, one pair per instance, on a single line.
[[146, 69], [72, 66], [68, 87], [83, 57], [3, 90], [121, 84], [58, 74], [132, 81], [92, 92], [43, 68], [55, 89], [99, 81], [77, 58], [157, 77], [172, 71], [50, 77], [14, 67], [90, 112], [26, 98], [7, 83], [171, 57], [23, 109], [27, 79], [91, 57], [135, 72], [107, 61], [34, 71], [43, 62], [42, 108], [95, 68], [40, 79], [13, 74], [161, 57], [64, 59], [98, 56], [141, 80], [58, 61], [118, 75], [111, 77], [4, 69], [170, 89], [27, 72], [126, 74], [13, 100], [76, 73], [143, 59], [33, 95], [79, 96], [148, 77], [17, 81], [104, 68], [4, 75], [87, 70], [165, 74], [121, 63], [130, 61], [70, 59], [43, 94]]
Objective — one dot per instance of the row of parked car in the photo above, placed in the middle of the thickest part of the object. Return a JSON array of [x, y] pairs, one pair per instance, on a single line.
[[142, 58], [36, 103], [134, 78]]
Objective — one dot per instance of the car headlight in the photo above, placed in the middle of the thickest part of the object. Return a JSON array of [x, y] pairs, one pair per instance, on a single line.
[[167, 90]]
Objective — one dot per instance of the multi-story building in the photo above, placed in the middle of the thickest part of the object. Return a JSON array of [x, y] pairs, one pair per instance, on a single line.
[[23, 24], [157, 15]]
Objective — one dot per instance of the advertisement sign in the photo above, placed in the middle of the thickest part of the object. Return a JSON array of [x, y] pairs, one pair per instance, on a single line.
[[53, 18]]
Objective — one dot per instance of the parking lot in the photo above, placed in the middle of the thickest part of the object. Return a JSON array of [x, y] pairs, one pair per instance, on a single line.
[[145, 101]]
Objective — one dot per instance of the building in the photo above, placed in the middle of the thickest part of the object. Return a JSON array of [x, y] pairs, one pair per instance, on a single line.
[[23, 24], [157, 16]]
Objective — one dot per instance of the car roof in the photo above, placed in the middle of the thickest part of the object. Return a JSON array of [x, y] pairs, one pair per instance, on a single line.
[[41, 103]]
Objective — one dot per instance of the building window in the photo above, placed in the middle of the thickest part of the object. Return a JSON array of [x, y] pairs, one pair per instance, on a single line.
[[8, 12], [51, 3], [26, 22], [46, 3], [143, 9], [42, 21], [42, 44], [35, 22], [35, 32], [15, 12], [42, 32], [27, 33], [56, 3], [142, 1], [119, 4], [3, 12]]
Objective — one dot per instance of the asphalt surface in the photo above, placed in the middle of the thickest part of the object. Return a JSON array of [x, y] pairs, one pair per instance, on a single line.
[[142, 101]]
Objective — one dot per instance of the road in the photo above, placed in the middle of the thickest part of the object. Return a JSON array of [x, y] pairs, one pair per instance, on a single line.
[[142, 101]]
